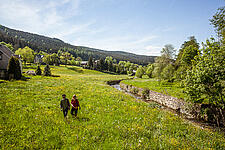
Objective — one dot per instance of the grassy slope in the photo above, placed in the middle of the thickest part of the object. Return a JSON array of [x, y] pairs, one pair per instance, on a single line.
[[172, 89], [31, 118]]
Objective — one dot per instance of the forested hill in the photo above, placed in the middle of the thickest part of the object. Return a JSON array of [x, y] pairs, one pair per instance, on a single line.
[[20, 39]]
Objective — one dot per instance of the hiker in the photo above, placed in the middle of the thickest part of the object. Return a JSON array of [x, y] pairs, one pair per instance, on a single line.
[[75, 104], [65, 105]]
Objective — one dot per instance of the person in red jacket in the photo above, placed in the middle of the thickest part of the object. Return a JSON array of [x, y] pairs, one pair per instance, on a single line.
[[75, 105]]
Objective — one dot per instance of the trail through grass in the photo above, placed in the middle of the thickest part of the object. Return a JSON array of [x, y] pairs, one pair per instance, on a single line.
[[108, 119]]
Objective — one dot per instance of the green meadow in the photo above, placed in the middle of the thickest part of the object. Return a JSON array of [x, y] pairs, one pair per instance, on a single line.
[[109, 119], [168, 88]]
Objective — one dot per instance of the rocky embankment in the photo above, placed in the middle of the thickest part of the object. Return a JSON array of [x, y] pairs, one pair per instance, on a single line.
[[205, 112]]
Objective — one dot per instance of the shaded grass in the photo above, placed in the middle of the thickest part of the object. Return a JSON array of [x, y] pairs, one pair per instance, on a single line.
[[108, 119], [172, 89]]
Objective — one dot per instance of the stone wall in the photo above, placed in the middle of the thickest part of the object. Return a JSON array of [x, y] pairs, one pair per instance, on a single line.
[[174, 103], [205, 112], [113, 82]]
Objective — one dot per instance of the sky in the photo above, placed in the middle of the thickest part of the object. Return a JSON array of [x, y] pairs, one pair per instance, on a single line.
[[136, 26]]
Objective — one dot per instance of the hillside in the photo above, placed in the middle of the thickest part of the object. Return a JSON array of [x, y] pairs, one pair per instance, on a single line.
[[20, 39]]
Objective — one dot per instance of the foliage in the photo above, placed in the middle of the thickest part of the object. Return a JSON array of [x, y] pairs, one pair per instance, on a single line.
[[8, 45], [218, 21], [109, 62], [204, 82], [109, 119], [169, 51], [90, 62], [47, 59], [168, 73], [101, 64], [38, 71], [134, 90], [47, 71], [65, 57], [166, 58], [191, 42], [140, 72], [145, 93], [14, 68], [53, 59], [27, 54], [160, 63], [149, 70], [188, 51], [189, 54], [79, 59]]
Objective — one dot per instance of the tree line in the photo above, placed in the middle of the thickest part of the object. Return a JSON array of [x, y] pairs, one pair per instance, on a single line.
[[111, 65]]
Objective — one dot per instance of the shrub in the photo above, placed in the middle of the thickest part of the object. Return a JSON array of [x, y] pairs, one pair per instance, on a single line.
[[168, 72], [38, 71], [14, 68], [145, 93], [140, 72], [150, 70], [134, 90], [47, 71], [204, 82]]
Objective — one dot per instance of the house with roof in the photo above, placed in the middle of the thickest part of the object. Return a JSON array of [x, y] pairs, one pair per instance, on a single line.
[[84, 63], [5, 55]]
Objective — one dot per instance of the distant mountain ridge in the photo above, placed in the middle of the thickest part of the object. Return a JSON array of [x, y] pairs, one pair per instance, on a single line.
[[20, 39]]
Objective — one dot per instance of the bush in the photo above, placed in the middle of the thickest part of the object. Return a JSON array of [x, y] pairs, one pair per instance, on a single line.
[[168, 73], [134, 90], [38, 71], [140, 72], [47, 71], [145, 93], [150, 70], [204, 82], [14, 68]]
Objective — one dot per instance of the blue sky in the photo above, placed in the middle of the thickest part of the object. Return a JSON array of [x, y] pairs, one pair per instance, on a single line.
[[136, 26]]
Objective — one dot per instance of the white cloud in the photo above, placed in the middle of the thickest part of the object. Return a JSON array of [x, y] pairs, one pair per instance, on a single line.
[[38, 16], [53, 18]]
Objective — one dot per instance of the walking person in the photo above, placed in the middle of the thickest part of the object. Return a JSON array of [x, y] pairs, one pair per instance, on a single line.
[[75, 105], [65, 105]]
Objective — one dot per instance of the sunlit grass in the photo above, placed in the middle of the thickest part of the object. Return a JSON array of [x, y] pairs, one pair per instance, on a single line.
[[108, 119], [172, 89]]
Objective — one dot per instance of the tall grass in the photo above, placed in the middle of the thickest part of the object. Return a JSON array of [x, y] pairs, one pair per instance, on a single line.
[[108, 119]]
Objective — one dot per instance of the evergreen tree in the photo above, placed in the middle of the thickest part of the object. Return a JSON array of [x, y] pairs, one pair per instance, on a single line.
[[47, 71], [14, 68], [90, 62], [18, 73], [101, 64], [38, 71]]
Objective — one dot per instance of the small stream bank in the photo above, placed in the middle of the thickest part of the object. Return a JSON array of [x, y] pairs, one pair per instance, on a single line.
[[164, 102]]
